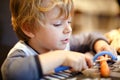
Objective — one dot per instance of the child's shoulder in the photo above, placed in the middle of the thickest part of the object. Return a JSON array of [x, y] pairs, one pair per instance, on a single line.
[[22, 47]]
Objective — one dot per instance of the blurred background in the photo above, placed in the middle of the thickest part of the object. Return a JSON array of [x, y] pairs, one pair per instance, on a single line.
[[96, 15], [7, 36], [90, 15]]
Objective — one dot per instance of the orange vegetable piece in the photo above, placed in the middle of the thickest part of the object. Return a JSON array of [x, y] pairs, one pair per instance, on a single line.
[[104, 68]]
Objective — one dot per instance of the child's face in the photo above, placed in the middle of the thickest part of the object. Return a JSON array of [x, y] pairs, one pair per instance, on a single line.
[[55, 33]]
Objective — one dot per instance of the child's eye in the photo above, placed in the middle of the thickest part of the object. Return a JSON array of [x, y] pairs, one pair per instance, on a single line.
[[69, 22], [57, 25]]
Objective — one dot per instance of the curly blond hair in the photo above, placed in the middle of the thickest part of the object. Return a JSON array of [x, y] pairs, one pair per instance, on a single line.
[[31, 12]]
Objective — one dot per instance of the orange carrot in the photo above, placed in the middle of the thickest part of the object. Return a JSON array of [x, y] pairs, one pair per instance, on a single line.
[[104, 68]]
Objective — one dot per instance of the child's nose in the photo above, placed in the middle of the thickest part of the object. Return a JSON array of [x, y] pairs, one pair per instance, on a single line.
[[67, 29]]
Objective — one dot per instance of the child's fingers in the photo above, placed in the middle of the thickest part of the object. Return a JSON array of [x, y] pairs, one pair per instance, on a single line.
[[89, 62], [80, 65], [84, 66]]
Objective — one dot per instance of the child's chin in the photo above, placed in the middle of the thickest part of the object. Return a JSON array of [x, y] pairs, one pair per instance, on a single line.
[[63, 48]]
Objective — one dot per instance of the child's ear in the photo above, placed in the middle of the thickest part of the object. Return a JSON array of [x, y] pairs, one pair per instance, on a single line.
[[27, 31]]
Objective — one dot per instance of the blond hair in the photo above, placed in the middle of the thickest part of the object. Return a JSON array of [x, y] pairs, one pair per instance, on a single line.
[[31, 12]]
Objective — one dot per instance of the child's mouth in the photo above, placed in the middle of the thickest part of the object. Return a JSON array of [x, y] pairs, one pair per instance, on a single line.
[[65, 41]]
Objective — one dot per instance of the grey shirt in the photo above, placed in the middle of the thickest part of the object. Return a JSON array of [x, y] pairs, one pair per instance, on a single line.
[[22, 61]]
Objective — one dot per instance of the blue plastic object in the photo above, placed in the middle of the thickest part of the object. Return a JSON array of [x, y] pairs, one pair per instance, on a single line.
[[113, 57], [61, 68]]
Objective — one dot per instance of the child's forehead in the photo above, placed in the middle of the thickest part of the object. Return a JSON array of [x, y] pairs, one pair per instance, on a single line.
[[55, 13], [59, 9], [45, 2]]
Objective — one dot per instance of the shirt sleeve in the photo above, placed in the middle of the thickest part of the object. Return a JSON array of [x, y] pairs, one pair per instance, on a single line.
[[84, 42], [18, 66]]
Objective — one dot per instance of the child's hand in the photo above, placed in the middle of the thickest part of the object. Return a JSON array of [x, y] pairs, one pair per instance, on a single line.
[[77, 61], [51, 60], [101, 45]]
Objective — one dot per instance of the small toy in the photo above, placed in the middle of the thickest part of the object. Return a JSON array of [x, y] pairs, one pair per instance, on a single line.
[[61, 68], [102, 57]]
